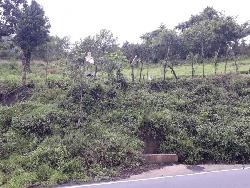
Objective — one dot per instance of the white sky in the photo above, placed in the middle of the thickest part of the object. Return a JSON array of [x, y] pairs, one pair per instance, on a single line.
[[129, 19]]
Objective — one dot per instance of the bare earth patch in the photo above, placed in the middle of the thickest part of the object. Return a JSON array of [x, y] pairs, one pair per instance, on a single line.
[[180, 169]]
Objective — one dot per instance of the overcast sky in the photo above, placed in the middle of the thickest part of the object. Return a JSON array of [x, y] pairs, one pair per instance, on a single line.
[[129, 19]]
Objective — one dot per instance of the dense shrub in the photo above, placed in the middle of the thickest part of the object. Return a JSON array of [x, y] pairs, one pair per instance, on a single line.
[[38, 138], [202, 120]]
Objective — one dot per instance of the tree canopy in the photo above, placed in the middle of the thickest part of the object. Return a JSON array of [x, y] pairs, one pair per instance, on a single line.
[[32, 28], [10, 12], [205, 33], [212, 31], [102, 43]]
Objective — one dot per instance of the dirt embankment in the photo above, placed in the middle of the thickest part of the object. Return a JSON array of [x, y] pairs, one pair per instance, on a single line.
[[11, 96]]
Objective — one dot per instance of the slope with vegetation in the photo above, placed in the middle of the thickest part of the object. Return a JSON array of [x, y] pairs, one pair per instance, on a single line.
[[66, 120], [42, 142]]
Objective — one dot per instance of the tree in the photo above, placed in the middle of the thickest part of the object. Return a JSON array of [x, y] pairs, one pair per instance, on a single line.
[[198, 40], [106, 42], [113, 64], [150, 41], [131, 50], [163, 44], [99, 45], [10, 11], [102, 43], [55, 48], [211, 31], [32, 30]]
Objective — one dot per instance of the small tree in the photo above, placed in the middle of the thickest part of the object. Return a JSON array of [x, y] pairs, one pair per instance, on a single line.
[[172, 70], [32, 30], [164, 70], [194, 60], [113, 64], [227, 58], [132, 64], [216, 61], [141, 69]]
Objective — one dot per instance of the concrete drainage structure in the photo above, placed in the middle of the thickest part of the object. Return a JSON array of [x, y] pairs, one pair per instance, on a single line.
[[160, 158]]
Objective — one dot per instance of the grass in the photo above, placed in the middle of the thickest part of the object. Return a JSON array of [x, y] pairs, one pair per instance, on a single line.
[[11, 70], [156, 71]]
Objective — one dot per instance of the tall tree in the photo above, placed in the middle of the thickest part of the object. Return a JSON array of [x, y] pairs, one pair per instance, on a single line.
[[131, 50], [32, 30], [10, 11], [163, 43], [211, 31]]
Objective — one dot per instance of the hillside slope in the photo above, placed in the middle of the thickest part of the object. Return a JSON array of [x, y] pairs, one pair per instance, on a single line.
[[42, 142]]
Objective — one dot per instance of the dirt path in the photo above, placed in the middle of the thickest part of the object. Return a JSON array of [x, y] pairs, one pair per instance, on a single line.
[[180, 169]]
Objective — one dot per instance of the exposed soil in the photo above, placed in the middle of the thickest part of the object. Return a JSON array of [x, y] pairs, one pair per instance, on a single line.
[[18, 94]]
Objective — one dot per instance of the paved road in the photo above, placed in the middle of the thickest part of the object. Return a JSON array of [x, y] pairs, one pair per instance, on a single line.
[[236, 178]]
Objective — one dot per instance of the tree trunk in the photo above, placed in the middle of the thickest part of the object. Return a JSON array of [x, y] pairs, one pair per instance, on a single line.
[[132, 73], [216, 61], [24, 73], [46, 58], [225, 70], [141, 71], [26, 65], [46, 71], [215, 67], [203, 68], [27, 60], [202, 59], [192, 66], [164, 71], [173, 71], [236, 65]]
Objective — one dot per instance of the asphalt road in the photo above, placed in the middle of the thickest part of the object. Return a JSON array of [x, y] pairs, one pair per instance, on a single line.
[[236, 178]]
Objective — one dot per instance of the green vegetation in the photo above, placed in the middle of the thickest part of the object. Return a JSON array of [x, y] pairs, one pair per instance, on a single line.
[[86, 111], [41, 143], [202, 120], [185, 70], [57, 70]]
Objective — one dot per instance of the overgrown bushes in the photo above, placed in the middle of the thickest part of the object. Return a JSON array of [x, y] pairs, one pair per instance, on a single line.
[[202, 120], [42, 144]]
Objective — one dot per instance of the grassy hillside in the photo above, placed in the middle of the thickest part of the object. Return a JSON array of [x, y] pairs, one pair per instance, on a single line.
[[42, 142]]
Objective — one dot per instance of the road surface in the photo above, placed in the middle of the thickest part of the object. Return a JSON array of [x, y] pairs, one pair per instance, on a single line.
[[234, 178]]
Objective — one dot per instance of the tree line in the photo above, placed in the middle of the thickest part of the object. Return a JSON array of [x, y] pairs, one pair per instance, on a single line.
[[208, 35]]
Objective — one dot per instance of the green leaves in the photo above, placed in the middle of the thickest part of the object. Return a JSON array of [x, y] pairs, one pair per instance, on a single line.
[[32, 27], [212, 30], [102, 43], [199, 119], [10, 11]]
